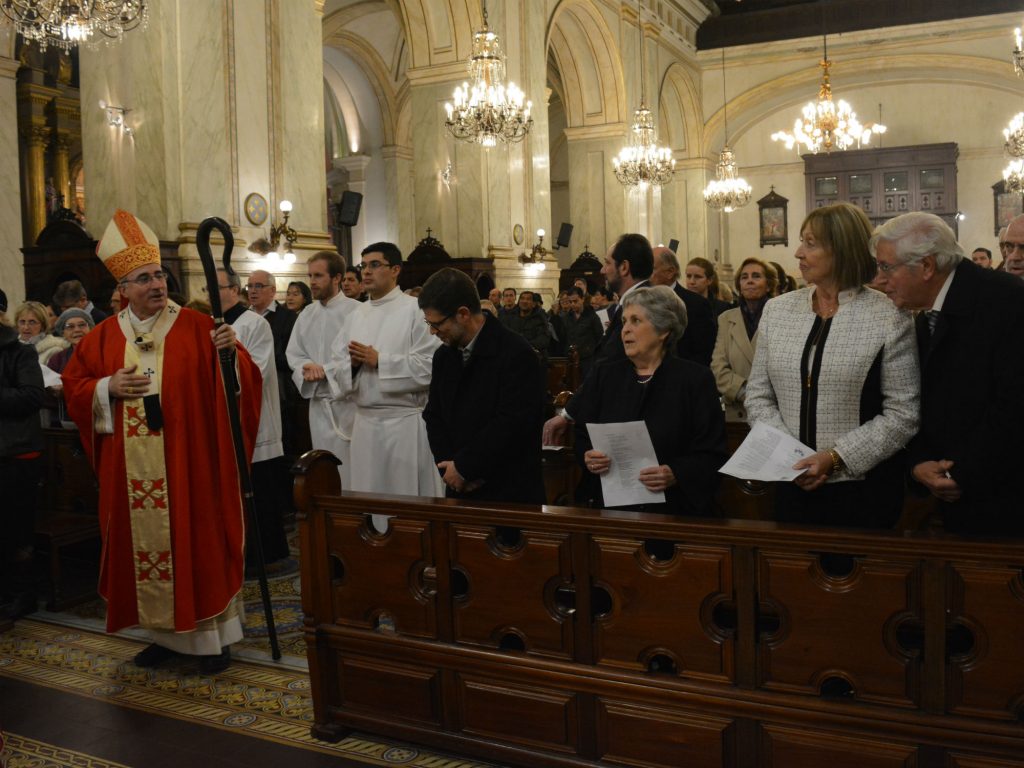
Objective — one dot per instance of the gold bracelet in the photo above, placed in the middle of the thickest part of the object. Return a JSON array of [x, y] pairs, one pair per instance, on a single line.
[[837, 461]]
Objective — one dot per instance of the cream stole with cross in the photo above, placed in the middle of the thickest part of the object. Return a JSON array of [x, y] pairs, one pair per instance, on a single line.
[[149, 505]]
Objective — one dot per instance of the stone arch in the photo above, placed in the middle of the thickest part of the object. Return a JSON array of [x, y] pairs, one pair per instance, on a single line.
[[852, 75], [586, 56], [679, 112]]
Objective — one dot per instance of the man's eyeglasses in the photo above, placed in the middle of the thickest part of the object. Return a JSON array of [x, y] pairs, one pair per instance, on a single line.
[[256, 286], [888, 269], [436, 325], [371, 265], [146, 279], [222, 287]]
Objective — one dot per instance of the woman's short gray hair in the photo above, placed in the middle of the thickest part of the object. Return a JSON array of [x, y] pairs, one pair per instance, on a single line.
[[69, 313], [916, 235], [664, 309]]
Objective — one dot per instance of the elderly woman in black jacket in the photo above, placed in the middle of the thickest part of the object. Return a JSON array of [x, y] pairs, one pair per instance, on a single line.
[[21, 445], [677, 399]]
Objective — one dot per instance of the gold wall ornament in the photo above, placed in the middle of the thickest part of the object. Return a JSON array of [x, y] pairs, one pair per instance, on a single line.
[[256, 209]]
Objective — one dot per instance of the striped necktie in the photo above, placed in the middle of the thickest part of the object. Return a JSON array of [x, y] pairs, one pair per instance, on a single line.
[[932, 317]]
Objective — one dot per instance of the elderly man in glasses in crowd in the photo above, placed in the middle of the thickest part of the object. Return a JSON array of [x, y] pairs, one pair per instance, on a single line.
[[972, 369], [146, 393]]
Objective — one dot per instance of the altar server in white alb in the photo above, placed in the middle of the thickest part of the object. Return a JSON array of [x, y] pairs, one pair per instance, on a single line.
[[309, 357], [254, 334], [384, 358]]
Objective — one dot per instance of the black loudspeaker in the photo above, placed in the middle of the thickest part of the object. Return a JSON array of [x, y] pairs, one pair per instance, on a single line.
[[673, 245], [563, 236], [348, 208]]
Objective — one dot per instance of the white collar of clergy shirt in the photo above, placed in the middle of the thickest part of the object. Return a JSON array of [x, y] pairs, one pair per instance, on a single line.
[[390, 296]]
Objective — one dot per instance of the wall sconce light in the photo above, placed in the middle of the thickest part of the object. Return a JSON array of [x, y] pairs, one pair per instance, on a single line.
[[533, 262], [277, 231], [116, 117], [448, 174]]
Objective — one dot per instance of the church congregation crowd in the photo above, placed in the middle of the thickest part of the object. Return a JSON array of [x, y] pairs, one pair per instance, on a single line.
[[899, 362]]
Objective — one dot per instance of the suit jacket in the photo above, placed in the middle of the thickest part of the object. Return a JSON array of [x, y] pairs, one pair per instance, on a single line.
[[972, 376], [731, 362], [487, 415], [680, 407], [698, 342]]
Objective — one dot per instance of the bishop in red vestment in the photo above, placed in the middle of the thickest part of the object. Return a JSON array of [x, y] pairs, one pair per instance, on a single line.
[[146, 392]]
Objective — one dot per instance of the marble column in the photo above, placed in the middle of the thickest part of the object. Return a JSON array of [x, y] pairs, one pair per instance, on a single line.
[[399, 183], [61, 170], [35, 139], [12, 273], [224, 101]]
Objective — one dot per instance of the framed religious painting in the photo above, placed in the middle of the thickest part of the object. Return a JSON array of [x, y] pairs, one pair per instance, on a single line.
[[773, 215], [1007, 205]]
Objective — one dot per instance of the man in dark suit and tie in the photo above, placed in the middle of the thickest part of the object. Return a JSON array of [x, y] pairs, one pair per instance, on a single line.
[[485, 408], [698, 343], [971, 344]]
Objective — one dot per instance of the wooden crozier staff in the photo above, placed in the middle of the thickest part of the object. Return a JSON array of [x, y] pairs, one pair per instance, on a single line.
[[227, 370]]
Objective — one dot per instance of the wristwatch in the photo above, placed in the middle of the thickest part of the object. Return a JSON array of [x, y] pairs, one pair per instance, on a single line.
[[837, 461]]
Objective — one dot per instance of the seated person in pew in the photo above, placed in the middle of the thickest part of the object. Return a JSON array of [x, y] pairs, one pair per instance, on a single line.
[[676, 399]]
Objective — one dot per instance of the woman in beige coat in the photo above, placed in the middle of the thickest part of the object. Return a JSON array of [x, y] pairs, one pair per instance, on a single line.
[[737, 329]]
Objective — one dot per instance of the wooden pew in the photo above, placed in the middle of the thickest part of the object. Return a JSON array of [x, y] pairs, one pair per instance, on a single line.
[[574, 637], [67, 528]]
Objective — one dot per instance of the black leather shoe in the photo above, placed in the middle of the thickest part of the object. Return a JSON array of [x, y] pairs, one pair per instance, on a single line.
[[153, 655], [218, 662]]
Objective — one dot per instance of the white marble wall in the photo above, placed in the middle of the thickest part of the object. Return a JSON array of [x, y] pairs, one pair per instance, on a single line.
[[940, 82], [226, 99], [12, 273]]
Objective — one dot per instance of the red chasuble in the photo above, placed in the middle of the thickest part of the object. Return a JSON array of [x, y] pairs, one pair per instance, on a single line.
[[190, 501]]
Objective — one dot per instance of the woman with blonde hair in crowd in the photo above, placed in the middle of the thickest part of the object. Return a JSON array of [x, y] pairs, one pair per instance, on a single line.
[[836, 367], [34, 328], [737, 335], [702, 278]]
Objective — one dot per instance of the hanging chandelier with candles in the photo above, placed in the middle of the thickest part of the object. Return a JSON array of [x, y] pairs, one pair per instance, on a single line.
[[728, 190], [642, 163], [488, 111], [827, 124], [1013, 134], [66, 23]]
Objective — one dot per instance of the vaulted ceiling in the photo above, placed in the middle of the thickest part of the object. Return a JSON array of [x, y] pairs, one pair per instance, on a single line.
[[740, 22]]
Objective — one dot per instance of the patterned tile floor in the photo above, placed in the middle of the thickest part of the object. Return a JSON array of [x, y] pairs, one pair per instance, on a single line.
[[39, 660]]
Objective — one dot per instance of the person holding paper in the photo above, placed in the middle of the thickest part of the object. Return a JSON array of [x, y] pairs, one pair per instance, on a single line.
[[836, 367], [676, 399]]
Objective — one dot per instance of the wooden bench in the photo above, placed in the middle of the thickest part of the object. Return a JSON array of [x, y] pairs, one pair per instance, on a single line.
[[560, 636], [68, 521]]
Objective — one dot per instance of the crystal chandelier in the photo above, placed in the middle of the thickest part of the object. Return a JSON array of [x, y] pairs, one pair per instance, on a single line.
[[728, 190], [1014, 136], [65, 23], [826, 124], [1013, 175], [488, 110], [642, 162]]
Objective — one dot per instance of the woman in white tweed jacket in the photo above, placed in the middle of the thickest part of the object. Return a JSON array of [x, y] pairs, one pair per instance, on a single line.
[[836, 367]]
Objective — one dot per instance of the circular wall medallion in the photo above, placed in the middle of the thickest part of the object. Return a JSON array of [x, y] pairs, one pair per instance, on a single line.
[[518, 233], [256, 209]]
